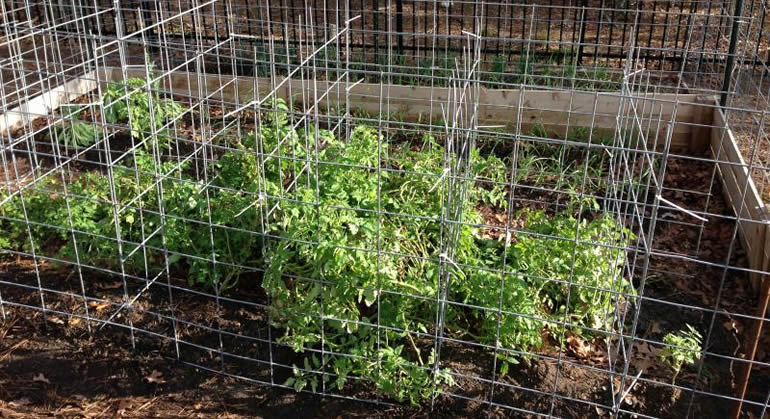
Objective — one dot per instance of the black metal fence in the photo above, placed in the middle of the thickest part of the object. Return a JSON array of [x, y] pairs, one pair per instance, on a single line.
[[599, 33]]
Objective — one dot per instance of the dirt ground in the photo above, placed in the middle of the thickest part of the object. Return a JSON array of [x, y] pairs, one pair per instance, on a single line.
[[54, 366]]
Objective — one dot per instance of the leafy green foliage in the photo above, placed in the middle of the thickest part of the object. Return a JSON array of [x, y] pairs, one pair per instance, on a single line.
[[327, 251], [492, 179], [575, 266], [184, 222], [326, 259], [131, 102], [558, 69], [682, 348], [73, 132], [135, 103], [357, 246], [78, 134], [404, 380]]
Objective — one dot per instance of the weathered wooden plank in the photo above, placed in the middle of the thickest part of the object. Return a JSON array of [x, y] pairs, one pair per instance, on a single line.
[[45, 103], [751, 344], [722, 138], [749, 229], [555, 110], [702, 123], [736, 179]]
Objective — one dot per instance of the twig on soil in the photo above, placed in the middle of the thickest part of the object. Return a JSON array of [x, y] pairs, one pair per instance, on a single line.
[[8, 351], [9, 327], [628, 390], [149, 402]]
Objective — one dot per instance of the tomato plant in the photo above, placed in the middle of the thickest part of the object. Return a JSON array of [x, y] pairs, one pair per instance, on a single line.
[[357, 242], [682, 348], [136, 103]]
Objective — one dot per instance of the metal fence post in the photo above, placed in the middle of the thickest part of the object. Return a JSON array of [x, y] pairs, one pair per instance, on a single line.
[[736, 21], [400, 25], [582, 40]]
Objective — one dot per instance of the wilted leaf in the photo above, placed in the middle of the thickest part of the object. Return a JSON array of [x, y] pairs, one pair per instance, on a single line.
[[579, 346], [108, 286], [54, 319], [732, 326], [155, 377], [98, 306], [645, 356], [19, 402], [40, 378]]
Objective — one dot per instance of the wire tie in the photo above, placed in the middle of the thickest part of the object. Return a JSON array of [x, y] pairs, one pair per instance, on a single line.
[[443, 175], [684, 210], [256, 201], [448, 259]]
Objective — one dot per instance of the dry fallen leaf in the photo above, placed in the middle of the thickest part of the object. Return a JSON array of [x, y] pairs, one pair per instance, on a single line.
[[124, 406], [19, 402], [630, 400], [54, 319], [40, 378], [110, 286], [732, 326], [98, 306], [155, 377], [646, 349], [645, 356], [579, 346]]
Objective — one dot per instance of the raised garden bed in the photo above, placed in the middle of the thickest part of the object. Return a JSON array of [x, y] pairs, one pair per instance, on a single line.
[[746, 201], [356, 235]]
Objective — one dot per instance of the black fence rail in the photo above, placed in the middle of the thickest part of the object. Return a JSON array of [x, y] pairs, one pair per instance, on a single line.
[[707, 34]]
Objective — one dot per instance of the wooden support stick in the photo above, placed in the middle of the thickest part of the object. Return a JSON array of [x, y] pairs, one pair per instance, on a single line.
[[751, 344]]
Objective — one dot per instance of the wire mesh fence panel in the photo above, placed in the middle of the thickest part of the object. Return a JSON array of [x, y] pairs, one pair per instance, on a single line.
[[542, 209]]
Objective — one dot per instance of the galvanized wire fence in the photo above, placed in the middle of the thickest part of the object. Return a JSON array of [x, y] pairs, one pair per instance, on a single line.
[[537, 208]]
